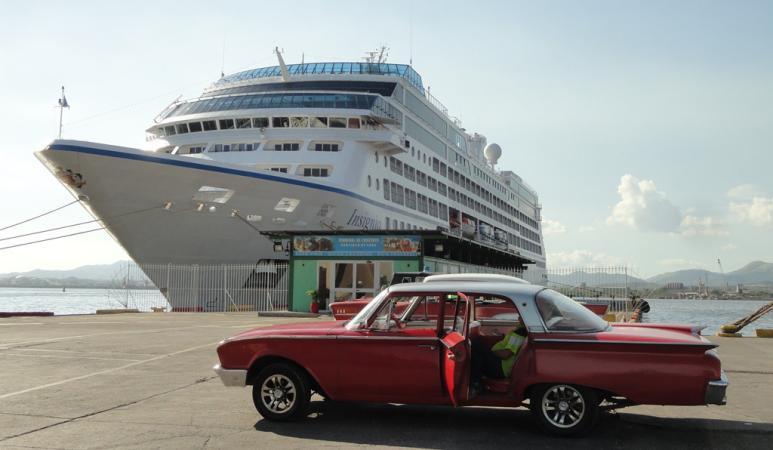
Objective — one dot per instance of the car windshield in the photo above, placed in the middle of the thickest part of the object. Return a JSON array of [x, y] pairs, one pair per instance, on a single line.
[[361, 319], [561, 313]]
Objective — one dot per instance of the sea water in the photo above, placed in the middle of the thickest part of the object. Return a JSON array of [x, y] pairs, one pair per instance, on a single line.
[[711, 313]]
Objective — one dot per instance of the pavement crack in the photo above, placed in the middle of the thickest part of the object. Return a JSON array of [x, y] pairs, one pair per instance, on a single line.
[[112, 408]]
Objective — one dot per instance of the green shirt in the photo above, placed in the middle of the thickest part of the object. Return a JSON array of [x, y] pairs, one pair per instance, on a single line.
[[512, 342]]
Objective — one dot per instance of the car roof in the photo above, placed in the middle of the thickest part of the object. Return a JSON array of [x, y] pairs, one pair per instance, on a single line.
[[507, 288], [480, 277]]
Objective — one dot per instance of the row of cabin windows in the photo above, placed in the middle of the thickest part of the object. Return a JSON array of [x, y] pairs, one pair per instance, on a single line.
[[396, 193], [262, 122], [419, 177], [315, 172], [217, 148], [481, 192], [305, 171], [248, 147], [401, 195]]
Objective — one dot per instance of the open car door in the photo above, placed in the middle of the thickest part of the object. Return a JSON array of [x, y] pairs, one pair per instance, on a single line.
[[456, 360]]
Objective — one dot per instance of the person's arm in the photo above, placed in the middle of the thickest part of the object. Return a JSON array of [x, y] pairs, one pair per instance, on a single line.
[[503, 353]]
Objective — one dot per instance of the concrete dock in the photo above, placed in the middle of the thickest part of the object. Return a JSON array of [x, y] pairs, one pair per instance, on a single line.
[[145, 381]]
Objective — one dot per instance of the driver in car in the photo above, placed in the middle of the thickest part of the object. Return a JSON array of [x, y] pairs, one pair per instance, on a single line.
[[498, 361]]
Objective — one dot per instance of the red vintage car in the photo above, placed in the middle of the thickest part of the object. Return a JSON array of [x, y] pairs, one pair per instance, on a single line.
[[413, 343]]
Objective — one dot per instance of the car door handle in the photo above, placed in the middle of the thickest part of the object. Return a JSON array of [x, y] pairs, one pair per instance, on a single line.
[[428, 346]]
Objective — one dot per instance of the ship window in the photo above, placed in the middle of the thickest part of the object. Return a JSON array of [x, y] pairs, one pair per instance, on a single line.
[[287, 147], [226, 124], [318, 122], [243, 123], [281, 122], [279, 169], [260, 122], [169, 130], [376, 157], [369, 181], [299, 122], [354, 123], [194, 127], [337, 122], [319, 147], [386, 189], [195, 150], [315, 172], [209, 125]]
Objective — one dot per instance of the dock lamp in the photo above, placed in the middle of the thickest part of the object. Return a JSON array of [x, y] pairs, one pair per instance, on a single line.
[[278, 246]]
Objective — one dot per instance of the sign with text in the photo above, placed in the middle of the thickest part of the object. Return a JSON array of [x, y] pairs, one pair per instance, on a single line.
[[356, 245]]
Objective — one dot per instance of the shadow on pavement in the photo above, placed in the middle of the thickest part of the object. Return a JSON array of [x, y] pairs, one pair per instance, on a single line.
[[451, 428]]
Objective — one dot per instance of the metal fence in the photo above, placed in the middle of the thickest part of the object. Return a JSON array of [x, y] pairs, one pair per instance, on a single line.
[[604, 285], [199, 288]]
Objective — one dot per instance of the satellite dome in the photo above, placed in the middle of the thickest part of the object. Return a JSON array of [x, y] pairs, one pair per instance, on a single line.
[[492, 153]]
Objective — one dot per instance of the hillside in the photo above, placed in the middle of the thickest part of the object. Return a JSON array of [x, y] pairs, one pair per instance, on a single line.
[[756, 272]]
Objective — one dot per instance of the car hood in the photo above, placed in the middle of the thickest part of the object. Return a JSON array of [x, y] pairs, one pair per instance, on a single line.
[[292, 329]]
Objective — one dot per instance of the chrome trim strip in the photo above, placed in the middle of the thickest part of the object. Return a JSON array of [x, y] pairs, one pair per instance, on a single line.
[[289, 336], [588, 341], [231, 377], [333, 336], [391, 338]]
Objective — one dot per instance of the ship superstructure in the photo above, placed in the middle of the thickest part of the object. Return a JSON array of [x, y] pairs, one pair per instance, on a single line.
[[331, 145]]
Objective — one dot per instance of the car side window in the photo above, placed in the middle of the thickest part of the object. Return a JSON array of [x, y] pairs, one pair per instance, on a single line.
[[407, 311]]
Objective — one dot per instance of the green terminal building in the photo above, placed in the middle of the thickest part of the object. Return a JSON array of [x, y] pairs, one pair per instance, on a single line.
[[346, 265]]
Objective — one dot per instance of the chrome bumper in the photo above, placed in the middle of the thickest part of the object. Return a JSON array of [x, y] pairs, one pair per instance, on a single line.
[[231, 377], [716, 391]]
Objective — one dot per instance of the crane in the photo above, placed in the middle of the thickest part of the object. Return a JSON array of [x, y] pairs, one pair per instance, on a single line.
[[722, 271]]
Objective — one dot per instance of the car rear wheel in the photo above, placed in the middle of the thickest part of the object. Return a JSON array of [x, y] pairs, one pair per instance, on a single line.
[[565, 410], [281, 393]]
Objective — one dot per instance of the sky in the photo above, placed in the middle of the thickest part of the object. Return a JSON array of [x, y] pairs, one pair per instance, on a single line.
[[646, 127]]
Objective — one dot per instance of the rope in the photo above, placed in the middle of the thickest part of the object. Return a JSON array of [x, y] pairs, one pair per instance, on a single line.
[[78, 224], [39, 215], [52, 238]]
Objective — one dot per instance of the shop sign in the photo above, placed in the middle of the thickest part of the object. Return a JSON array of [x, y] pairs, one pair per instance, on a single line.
[[356, 245]]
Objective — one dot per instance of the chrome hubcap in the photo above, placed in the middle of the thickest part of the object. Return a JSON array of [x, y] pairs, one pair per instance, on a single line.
[[278, 393], [563, 406]]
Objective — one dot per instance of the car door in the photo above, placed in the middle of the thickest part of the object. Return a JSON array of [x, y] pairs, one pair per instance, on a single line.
[[456, 349], [391, 362]]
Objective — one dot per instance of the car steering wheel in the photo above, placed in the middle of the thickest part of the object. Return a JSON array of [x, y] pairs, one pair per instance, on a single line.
[[394, 317]]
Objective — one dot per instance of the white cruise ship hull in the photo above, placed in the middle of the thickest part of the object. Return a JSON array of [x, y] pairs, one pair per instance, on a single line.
[[128, 190]]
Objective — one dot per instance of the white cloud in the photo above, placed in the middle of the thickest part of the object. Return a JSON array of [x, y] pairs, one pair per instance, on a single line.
[[587, 229], [744, 191], [578, 258], [693, 226], [643, 207], [728, 247], [552, 227], [757, 212]]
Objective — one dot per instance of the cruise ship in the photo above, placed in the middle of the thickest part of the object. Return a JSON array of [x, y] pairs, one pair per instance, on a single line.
[[311, 146]]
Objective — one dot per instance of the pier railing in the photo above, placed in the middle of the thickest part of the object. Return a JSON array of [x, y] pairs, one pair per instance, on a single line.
[[199, 288], [264, 286]]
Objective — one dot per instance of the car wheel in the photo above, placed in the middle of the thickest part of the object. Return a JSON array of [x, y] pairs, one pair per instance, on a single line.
[[281, 393], [565, 410]]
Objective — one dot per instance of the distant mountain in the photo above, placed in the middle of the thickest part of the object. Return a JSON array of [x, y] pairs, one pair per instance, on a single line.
[[756, 272], [101, 272], [598, 279]]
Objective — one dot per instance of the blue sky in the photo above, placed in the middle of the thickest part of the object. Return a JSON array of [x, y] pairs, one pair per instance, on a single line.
[[644, 126]]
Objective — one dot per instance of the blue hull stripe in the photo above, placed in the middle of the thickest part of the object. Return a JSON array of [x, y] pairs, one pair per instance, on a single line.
[[226, 170]]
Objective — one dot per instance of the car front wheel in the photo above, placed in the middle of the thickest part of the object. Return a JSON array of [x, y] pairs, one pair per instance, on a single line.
[[565, 410], [281, 393]]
